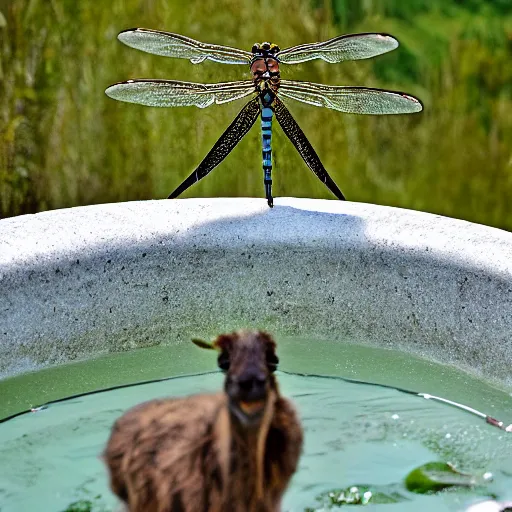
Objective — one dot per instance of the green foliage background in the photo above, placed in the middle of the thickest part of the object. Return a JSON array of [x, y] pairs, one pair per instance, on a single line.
[[64, 143]]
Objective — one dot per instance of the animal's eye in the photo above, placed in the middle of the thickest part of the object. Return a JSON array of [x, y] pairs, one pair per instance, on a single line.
[[272, 362], [223, 361]]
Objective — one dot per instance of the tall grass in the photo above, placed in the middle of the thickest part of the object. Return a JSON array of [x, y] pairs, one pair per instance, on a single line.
[[64, 143]]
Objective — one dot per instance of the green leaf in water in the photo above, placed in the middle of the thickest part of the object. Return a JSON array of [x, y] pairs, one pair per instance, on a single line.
[[357, 495], [80, 506], [435, 476], [85, 505]]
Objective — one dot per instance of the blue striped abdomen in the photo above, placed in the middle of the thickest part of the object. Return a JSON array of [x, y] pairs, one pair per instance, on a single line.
[[266, 135]]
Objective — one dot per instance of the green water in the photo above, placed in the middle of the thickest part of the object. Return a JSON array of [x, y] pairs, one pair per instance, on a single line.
[[354, 434]]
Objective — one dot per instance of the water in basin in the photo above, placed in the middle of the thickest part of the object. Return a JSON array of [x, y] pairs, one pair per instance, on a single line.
[[354, 434]]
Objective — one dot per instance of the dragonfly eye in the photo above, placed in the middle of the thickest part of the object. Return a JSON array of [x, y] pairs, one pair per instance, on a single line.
[[272, 64], [258, 67]]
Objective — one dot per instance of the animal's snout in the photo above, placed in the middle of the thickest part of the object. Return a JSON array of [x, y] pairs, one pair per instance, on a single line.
[[248, 395], [252, 388]]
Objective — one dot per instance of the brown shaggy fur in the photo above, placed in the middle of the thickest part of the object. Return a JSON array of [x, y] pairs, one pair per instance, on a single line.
[[198, 454]]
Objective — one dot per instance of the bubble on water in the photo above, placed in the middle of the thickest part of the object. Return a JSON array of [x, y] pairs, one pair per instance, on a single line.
[[395, 417]]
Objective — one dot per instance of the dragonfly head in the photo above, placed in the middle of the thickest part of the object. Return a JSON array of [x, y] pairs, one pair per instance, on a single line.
[[264, 63], [265, 50]]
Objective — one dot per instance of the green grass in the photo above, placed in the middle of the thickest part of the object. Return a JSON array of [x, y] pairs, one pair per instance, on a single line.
[[64, 143]]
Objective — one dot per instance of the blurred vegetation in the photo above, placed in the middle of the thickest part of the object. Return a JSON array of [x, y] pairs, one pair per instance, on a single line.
[[64, 143]]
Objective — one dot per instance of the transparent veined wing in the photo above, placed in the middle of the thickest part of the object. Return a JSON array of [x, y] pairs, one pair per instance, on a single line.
[[304, 147], [353, 100], [175, 45], [338, 49], [227, 141], [173, 93]]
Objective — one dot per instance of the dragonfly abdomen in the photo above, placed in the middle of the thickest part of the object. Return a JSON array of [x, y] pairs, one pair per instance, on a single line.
[[266, 137]]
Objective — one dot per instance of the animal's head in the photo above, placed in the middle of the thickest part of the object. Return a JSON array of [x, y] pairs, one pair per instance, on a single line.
[[248, 358]]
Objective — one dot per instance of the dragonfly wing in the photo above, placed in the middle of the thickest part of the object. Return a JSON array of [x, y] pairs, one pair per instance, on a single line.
[[304, 147], [338, 49], [175, 45], [227, 141], [173, 93], [354, 100]]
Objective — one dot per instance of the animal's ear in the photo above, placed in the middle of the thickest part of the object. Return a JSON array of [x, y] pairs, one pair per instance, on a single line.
[[203, 344], [224, 342]]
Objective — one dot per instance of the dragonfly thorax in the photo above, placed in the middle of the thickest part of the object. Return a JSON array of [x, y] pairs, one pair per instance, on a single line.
[[267, 96]]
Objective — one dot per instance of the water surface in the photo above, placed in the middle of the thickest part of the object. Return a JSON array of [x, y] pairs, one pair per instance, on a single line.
[[354, 434]]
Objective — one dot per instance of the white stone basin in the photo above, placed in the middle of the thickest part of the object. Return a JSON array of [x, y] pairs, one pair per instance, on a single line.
[[80, 282]]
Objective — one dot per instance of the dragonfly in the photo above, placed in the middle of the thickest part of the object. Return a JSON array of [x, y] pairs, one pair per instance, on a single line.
[[267, 90]]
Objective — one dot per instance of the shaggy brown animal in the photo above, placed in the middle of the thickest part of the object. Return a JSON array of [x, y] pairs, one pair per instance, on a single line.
[[233, 451]]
